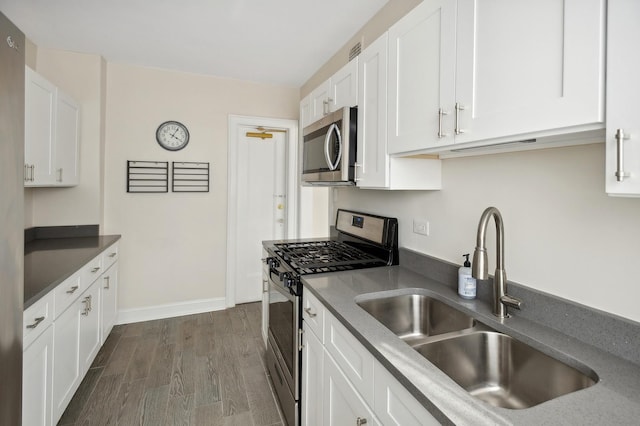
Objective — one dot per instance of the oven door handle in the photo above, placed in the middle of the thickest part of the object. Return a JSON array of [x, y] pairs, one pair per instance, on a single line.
[[282, 290], [327, 138]]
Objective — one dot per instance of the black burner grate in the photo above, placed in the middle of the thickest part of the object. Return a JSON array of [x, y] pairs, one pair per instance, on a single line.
[[325, 256]]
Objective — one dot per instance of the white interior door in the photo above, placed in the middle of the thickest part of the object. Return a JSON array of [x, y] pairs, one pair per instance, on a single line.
[[262, 206]]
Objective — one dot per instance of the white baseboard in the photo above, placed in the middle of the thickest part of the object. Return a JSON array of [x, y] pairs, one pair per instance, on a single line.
[[148, 313]]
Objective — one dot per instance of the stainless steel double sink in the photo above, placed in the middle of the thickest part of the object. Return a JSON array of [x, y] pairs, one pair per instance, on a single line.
[[490, 365]]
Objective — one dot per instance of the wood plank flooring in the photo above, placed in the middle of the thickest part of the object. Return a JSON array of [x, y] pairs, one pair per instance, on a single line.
[[204, 369]]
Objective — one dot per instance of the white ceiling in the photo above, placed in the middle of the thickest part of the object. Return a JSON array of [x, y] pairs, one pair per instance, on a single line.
[[280, 42]]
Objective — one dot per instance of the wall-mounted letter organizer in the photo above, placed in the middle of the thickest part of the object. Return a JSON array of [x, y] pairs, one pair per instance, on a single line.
[[190, 177], [147, 176]]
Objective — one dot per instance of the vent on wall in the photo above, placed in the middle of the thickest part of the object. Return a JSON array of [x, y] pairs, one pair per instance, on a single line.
[[355, 50]]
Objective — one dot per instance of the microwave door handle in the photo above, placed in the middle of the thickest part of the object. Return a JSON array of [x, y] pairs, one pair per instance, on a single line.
[[327, 156]]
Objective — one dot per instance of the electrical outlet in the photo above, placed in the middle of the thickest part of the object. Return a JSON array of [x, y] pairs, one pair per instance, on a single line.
[[421, 226]]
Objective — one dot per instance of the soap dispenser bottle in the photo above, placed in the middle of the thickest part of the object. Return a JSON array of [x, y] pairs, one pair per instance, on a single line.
[[466, 282]]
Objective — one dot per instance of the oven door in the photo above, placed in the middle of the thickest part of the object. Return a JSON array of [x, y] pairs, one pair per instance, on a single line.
[[284, 326]]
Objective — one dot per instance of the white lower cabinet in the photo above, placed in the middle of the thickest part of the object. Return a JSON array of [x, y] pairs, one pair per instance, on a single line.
[[342, 383], [342, 404], [63, 333], [312, 378], [108, 300], [76, 343], [395, 405], [37, 364]]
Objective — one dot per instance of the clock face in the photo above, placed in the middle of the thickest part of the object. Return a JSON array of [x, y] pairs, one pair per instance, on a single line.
[[172, 135]]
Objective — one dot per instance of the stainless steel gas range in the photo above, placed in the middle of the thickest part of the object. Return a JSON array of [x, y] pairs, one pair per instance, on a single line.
[[363, 241]]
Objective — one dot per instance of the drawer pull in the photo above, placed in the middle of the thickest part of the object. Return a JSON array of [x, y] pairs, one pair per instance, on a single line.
[[96, 269], [72, 289], [35, 324], [87, 306], [311, 314], [106, 283], [113, 254], [361, 421]]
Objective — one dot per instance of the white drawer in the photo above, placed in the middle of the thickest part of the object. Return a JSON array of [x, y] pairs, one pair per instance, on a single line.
[[36, 318], [313, 314], [91, 271], [355, 361], [109, 257], [66, 292]]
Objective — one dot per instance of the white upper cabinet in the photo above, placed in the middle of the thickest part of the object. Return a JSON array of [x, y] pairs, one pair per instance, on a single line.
[[51, 134], [528, 66], [421, 76], [40, 102], [372, 159], [623, 91], [67, 141], [481, 73], [375, 169], [305, 111], [341, 90]]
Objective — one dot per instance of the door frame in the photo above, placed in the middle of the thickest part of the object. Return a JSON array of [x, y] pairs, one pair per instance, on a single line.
[[292, 187]]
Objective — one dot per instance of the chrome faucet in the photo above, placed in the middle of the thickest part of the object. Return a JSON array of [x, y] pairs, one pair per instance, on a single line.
[[501, 300]]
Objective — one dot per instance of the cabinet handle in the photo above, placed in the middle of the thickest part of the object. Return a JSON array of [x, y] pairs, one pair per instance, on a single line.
[[107, 283], [72, 289], [35, 324], [32, 173], [96, 269], [459, 108], [620, 138], [26, 172], [60, 175], [440, 114], [355, 172], [361, 421], [87, 305], [325, 106], [113, 254], [311, 314]]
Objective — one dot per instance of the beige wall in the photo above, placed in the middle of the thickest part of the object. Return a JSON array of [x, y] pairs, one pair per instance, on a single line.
[[564, 235], [81, 77], [174, 245], [387, 16]]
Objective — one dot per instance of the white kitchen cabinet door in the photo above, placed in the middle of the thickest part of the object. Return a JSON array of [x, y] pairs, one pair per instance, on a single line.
[[373, 161], [305, 112], [421, 77], [354, 359], [109, 301], [40, 103], [66, 354], [265, 298], [623, 92], [342, 405], [344, 87], [394, 405], [319, 100], [312, 378], [527, 66], [89, 327], [67, 141], [37, 374]]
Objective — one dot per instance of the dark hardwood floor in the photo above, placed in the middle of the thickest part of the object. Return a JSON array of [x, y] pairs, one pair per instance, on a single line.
[[204, 369]]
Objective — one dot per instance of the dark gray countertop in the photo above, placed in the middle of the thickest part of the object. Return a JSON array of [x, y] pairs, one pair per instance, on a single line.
[[48, 262], [613, 400]]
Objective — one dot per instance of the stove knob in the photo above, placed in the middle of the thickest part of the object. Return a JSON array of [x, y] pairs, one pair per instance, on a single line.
[[272, 262]]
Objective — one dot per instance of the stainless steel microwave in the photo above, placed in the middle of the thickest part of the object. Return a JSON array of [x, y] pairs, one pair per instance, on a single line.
[[329, 149]]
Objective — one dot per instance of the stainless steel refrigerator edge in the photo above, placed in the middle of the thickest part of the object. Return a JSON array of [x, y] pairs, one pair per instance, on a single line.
[[12, 60]]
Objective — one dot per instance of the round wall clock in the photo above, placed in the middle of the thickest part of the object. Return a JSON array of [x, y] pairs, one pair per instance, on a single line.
[[172, 135]]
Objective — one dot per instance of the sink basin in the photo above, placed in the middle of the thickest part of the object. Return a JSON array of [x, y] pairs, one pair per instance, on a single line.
[[504, 372], [415, 317]]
